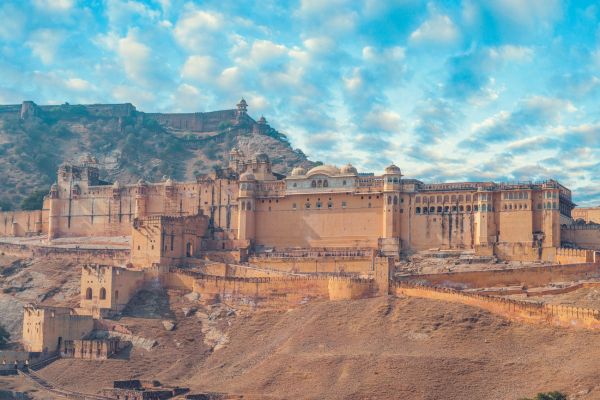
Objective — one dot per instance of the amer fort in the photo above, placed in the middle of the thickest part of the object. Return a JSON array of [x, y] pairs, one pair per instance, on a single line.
[[245, 238]]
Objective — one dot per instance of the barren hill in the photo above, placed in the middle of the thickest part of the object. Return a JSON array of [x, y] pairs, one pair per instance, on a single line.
[[128, 143], [380, 348]]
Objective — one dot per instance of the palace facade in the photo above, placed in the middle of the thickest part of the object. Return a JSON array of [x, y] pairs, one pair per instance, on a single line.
[[250, 207]]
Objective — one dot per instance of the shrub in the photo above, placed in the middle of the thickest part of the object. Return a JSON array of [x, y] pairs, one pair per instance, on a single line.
[[4, 336]]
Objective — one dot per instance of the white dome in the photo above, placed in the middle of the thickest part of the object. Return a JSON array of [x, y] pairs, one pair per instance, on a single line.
[[116, 185], [329, 170], [298, 171], [392, 169], [348, 169]]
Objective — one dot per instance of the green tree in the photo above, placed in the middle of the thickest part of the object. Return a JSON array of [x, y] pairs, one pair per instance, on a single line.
[[4, 336], [34, 201], [549, 396], [5, 205]]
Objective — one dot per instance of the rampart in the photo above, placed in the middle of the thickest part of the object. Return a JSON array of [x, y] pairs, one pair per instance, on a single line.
[[350, 263], [92, 256], [584, 236], [558, 315], [575, 256], [530, 276], [288, 290], [21, 223]]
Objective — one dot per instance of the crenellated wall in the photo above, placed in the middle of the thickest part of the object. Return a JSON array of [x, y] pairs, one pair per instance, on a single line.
[[583, 236], [529, 276], [565, 316]]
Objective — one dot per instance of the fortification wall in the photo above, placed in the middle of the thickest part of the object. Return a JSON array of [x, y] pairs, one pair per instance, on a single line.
[[91, 256], [575, 256], [197, 122], [584, 236], [530, 277], [355, 265], [20, 223], [284, 290], [565, 316]]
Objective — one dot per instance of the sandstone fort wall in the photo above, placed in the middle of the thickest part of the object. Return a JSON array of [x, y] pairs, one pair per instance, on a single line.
[[565, 316], [585, 236], [530, 277]]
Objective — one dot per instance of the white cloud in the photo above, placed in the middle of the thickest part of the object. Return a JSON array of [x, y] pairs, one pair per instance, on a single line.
[[513, 53], [231, 78], [439, 29], [199, 68], [53, 5], [265, 51], [385, 120], [195, 29], [44, 43], [354, 83], [526, 12], [78, 84], [135, 57]]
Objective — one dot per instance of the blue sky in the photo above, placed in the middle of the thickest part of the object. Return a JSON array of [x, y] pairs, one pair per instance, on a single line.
[[448, 90]]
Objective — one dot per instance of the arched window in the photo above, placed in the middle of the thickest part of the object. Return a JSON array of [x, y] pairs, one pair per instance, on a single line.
[[418, 210], [439, 209], [446, 209], [243, 206], [431, 210], [249, 206], [188, 249], [475, 208], [319, 183], [313, 184], [116, 295], [88, 293], [461, 208], [395, 200], [325, 183], [468, 208], [389, 200], [102, 294]]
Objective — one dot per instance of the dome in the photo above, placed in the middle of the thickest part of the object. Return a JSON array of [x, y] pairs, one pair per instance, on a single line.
[[247, 176], [169, 182], [116, 185], [329, 170], [141, 182], [262, 120], [261, 157], [54, 186], [348, 169], [392, 169], [298, 171]]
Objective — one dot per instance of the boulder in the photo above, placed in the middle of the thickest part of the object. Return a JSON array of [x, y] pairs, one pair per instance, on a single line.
[[169, 325], [192, 296]]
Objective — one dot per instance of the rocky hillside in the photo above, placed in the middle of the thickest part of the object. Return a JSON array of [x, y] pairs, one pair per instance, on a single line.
[[128, 143]]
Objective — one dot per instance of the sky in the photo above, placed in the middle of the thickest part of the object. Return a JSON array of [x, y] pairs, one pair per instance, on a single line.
[[489, 90]]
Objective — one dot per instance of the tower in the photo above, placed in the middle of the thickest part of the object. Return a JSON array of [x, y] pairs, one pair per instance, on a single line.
[[390, 234], [141, 199], [53, 217], [246, 206]]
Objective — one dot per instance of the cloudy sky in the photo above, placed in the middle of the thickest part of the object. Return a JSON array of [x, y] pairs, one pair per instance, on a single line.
[[500, 90]]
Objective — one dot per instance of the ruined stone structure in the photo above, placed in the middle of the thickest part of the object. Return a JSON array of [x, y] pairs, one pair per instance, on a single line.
[[90, 349], [108, 288], [46, 328]]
